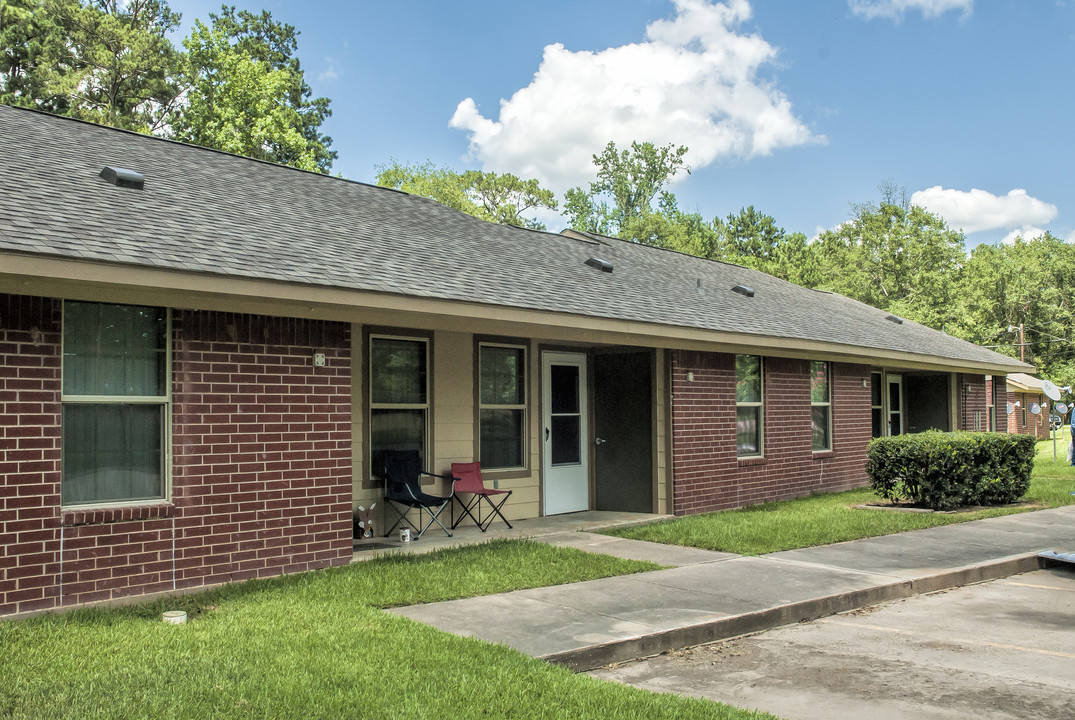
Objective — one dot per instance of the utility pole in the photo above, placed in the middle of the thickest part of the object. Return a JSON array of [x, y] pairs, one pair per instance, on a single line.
[[1022, 341]]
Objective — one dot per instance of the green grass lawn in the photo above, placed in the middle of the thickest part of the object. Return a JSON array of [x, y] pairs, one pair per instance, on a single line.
[[318, 645], [830, 517]]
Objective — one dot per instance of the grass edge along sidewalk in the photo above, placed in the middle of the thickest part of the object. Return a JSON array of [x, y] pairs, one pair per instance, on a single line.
[[827, 518], [318, 645]]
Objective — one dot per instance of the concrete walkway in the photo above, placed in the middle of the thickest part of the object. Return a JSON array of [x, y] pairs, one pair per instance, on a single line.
[[708, 596]]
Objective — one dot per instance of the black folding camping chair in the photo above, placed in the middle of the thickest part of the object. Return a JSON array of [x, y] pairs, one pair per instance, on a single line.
[[403, 492]]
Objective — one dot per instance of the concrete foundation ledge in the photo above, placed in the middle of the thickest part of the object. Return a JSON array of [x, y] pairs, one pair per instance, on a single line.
[[639, 646]]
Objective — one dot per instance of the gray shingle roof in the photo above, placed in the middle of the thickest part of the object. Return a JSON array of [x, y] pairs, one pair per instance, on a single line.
[[1024, 380], [211, 212]]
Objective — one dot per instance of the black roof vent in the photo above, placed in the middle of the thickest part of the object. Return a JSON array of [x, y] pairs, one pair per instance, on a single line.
[[893, 318], [602, 265], [124, 178], [744, 290]]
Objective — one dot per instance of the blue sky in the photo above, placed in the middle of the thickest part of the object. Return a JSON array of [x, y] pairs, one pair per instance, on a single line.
[[797, 108]]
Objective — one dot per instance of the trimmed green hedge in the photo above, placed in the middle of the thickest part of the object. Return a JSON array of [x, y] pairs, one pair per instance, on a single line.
[[942, 471]]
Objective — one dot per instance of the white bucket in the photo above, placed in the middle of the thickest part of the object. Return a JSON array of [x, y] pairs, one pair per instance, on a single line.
[[405, 535], [174, 617]]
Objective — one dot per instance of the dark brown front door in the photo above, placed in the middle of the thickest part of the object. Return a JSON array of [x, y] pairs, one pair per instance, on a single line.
[[623, 431]]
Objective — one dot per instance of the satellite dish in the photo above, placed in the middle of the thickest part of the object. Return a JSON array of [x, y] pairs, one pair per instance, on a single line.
[[1011, 408], [1061, 408], [1035, 409], [1051, 391]]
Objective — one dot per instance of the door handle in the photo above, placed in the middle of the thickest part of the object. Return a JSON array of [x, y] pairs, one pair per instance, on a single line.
[[599, 441], [546, 434]]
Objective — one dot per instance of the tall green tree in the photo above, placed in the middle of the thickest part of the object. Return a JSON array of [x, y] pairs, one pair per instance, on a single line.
[[105, 61], [620, 202], [1029, 283], [753, 239], [246, 92], [33, 52], [897, 257], [497, 197]]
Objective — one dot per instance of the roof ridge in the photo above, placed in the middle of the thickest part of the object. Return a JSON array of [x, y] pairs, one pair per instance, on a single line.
[[195, 146]]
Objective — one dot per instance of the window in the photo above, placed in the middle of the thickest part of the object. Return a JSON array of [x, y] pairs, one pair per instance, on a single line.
[[748, 406], [501, 406], [399, 397], [877, 410], [991, 404], [115, 401], [820, 405]]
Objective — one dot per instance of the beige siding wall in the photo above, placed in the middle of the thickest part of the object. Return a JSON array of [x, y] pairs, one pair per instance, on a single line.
[[664, 472], [453, 400], [454, 423]]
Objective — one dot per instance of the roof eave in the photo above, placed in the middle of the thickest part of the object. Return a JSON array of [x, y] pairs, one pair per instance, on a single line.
[[40, 275]]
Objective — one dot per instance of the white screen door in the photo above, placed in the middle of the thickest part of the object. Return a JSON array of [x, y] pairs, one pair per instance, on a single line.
[[565, 453]]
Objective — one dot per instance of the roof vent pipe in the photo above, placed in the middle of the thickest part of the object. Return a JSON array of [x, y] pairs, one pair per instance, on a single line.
[[123, 178], [744, 290], [602, 265], [893, 318]]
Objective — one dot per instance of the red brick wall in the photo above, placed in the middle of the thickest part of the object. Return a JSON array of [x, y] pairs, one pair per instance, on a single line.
[[1037, 425], [29, 452], [261, 463], [262, 446], [709, 476]]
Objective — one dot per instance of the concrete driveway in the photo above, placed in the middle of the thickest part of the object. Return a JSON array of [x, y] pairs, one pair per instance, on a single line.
[[1003, 649]]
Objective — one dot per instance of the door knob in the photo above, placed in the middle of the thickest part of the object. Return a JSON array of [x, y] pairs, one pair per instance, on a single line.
[[599, 441]]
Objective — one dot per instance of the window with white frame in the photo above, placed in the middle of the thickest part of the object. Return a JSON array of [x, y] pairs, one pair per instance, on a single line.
[[501, 406], [749, 418], [115, 403], [991, 405], [877, 408], [821, 405], [399, 397]]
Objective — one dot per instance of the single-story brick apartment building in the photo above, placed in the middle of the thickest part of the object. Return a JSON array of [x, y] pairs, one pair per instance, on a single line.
[[1023, 393], [204, 357]]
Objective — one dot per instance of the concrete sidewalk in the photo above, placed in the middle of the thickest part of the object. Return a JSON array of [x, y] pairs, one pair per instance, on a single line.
[[709, 596]]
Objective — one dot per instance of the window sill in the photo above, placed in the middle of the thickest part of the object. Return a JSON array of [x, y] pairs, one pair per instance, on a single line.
[[126, 513], [752, 461], [823, 454], [506, 474]]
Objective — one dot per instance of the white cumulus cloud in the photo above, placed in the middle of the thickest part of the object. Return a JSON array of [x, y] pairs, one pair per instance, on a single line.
[[977, 210], [329, 72], [1027, 233], [896, 9], [693, 82]]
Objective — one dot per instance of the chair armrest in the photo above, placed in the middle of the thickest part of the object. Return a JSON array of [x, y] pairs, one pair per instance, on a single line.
[[449, 478]]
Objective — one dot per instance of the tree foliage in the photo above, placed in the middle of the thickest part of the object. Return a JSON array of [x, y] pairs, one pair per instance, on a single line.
[[753, 239], [238, 87], [497, 197], [245, 93], [1030, 282], [104, 61], [620, 201], [896, 257]]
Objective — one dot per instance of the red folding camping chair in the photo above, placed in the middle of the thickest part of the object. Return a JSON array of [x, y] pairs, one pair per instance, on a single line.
[[467, 478]]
